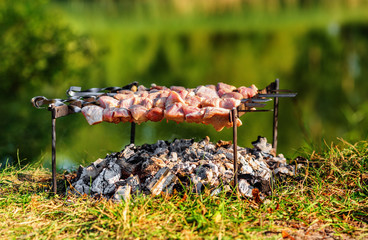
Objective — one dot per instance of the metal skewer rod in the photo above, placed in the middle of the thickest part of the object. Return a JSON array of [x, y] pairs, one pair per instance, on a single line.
[[53, 149]]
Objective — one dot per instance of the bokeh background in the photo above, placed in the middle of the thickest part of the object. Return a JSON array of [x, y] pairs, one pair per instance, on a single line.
[[317, 48]]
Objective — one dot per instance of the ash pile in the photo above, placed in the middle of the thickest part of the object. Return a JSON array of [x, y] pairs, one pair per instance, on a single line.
[[164, 167]]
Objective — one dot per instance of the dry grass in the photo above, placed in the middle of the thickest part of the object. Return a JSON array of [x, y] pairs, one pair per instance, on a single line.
[[329, 198]]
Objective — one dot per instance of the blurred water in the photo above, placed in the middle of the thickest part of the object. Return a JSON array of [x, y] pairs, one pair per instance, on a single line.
[[323, 58]]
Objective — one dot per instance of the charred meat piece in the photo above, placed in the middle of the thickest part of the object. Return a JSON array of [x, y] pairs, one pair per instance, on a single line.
[[160, 102], [175, 112], [93, 114], [234, 95], [194, 101], [248, 92], [223, 88], [108, 115], [229, 103], [155, 114], [147, 103], [210, 102], [127, 103], [123, 114], [181, 90], [206, 92], [107, 102], [173, 98], [125, 95], [193, 114], [139, 113], [218, 117]]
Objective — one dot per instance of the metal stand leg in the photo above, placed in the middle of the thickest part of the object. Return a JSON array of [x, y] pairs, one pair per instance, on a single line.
[[235, 146], [132, 133], [53, 137], [275, 117]]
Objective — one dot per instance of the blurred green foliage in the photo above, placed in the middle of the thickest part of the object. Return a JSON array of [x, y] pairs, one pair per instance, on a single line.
[[39, 54], [317, 48]]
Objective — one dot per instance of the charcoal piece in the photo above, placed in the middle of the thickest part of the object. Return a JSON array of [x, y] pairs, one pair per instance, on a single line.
[[216, 192], [138, 158], [79, 188], [259, 167], [123, 193], [229, 155], [134, 183], [160, 144], [169, 189], [163, 178], [202, 162], [179, 145], [264, 186], [148, 168], [244, 151], [208, 156], [128, 167], [215, 169], [221, 167], [197, 184], [227, 176], [229, 166], [184, 168], [160, 150], [210, 148], [100, 186], [173, 157], [257, 155], [245, 167], [112, 173], [200, 153], [279, 159], [224, 144], [204, 141], [283, 170], [105, 182], [169, 183], [262, 145], [204, 172], [92, 170], [128, 152], [245, 188], [148, 148], [158, 162]]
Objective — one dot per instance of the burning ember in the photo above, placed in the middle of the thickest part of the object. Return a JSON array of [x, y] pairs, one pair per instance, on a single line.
[[163, 166]]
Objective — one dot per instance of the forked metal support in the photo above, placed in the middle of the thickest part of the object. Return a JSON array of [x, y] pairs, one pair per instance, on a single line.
[[53, 149], [272, 91], [234, 113], [275, 116], [55, 113], [132, 132]]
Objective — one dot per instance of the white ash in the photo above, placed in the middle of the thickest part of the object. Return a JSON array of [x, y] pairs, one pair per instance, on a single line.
[[162, 167]]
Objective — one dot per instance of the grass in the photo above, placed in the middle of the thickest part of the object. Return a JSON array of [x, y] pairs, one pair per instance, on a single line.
[[329, 198]]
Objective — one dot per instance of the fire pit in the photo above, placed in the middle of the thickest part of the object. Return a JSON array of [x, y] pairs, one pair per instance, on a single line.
[[164, 167], [96, 104]]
